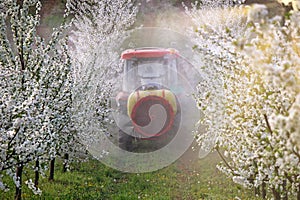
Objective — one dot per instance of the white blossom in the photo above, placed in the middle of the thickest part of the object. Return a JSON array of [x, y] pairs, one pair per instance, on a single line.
[[35, 86], [95, 51], [250, 97]]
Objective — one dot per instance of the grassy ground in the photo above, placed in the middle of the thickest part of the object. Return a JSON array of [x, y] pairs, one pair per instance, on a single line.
[[185, 179]]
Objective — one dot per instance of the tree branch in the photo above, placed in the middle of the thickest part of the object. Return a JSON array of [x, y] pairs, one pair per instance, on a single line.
[[268, 124], [224, 160]]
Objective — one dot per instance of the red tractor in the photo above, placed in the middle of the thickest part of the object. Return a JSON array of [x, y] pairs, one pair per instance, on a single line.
[[149, 105]]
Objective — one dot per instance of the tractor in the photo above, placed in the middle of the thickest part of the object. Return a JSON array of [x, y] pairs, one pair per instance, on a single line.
[[148, 105]]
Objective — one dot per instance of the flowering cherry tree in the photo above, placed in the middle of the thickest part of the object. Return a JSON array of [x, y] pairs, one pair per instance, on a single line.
[[35, 90], [99, 30], [44, 99], [278, 50], [251, 97]]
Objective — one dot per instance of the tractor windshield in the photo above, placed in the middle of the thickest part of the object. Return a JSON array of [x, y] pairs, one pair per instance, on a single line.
[[151, 70], [143, 71]]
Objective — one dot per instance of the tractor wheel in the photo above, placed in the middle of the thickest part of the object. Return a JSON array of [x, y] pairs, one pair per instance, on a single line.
[[125, 141]]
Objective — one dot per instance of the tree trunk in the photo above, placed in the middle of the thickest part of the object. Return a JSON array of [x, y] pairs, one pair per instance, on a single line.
[[51, 175], [37, 175], [66, 162], [256, 191], [19, 171], [298, 193], [285, 193], [263, 190], [276, 194]]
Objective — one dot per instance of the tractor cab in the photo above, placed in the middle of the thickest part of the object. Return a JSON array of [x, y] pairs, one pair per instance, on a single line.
[[149, 68]]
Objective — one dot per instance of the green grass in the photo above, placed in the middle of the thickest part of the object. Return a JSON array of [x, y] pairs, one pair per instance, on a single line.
[[182, 180]]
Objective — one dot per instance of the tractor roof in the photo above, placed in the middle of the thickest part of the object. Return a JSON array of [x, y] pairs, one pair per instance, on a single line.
[[150, 52]]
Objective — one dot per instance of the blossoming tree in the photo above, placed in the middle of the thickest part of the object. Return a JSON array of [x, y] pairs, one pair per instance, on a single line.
[[251, 97], [99, 30], [39, 100], [35, 90]]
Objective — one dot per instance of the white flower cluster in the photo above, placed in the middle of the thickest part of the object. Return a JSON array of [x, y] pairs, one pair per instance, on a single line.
[[100, 28], [250, 96], [31, 186], [215, 23], [294, 3], [35, 87]]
